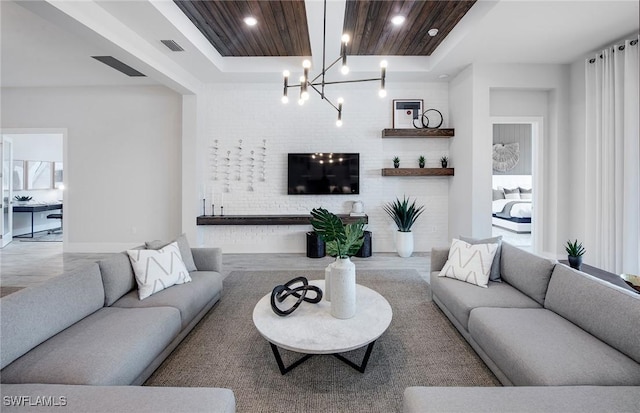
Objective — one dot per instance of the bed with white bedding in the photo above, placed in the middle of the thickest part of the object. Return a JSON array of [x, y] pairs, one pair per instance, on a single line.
[[512, 205]]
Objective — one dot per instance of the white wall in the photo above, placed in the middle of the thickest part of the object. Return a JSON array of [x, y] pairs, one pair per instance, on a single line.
[[122, 159], [476, 83], [254, 113]]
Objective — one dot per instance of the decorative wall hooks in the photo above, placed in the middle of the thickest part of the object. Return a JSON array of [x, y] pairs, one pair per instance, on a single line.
[[297, 287], [430, 119]]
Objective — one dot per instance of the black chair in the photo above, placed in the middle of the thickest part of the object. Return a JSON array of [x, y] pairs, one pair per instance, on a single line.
[[55, 216]]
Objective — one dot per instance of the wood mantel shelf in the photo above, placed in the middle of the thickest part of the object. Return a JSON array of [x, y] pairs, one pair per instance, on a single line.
[[418, 133], [417, 172], [267, 219]]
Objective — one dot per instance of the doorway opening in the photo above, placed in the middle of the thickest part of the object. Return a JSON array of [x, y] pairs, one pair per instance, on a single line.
[[516, 189], [33, 191]]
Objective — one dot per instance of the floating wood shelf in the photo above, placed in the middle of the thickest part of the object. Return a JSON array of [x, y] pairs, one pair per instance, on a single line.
[[267, 219], [418, 133], [417, 172]]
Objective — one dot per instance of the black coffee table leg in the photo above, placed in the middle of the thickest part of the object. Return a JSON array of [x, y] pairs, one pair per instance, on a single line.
[[283, 369], [361, 368]]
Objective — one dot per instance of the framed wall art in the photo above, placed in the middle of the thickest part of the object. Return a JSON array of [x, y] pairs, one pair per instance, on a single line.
[[405, 111]]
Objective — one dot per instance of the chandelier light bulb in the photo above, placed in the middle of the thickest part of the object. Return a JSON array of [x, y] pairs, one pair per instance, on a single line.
[[345, 70], [286, 73], [285, 99], [340, 101], [305, 95], [339, 123], [345, 38], [382, 93], [384, 64], [306, 64]]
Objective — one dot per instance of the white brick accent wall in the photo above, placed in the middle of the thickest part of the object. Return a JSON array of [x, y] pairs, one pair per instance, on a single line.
[[253, 113]]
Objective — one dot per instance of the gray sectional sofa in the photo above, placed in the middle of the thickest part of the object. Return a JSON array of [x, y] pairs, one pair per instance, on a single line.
[[86, 336], [545, 324]]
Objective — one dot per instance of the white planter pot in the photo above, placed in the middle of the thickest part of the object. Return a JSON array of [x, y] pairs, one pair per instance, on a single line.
[[327, 282], [343, 288], [404, 243]]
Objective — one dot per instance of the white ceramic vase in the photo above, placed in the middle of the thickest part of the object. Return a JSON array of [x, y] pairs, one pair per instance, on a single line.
[[327, 282], [343, 288], [404, 243]]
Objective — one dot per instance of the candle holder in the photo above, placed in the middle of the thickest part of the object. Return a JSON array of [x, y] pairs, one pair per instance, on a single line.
[[204, 208], [213, 210], [221, 210]]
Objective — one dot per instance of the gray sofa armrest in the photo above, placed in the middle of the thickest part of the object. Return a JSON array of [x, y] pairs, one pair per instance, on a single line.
[[438, 258], [207, 259]]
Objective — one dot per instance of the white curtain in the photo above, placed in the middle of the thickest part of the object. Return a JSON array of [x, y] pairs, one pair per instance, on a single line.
[[612, 150]]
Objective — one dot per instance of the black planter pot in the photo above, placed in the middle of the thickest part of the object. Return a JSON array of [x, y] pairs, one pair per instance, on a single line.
[[315, 245], [444, 164], [575, 262]]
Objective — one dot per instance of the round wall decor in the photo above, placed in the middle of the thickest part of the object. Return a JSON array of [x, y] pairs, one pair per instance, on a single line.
[[505, 156]]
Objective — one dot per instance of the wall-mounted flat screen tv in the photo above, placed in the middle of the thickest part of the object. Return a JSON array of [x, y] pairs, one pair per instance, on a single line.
[[323, 174]]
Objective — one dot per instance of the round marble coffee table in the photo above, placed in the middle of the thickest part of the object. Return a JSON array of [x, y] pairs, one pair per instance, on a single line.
[[311, 329]]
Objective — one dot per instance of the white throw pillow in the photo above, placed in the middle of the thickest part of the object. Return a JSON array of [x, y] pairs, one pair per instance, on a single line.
[[156, 270], [469, 263]]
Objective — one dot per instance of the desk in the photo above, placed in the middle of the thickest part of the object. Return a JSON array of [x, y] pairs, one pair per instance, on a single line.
[[33, 208]]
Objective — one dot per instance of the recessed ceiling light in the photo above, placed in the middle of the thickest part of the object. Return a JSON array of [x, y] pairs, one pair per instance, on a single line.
[[250, 21], [433, 32], [397, 20]]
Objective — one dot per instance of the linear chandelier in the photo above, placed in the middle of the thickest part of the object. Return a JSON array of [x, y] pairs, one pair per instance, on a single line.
[[318, 83]]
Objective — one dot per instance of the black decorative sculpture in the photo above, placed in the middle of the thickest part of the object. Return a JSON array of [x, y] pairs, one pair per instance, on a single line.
[[281, 292], [425, 122]]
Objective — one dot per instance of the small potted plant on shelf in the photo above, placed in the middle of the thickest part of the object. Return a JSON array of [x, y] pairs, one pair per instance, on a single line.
[[421, 161], [575, 251], [404, 214], [396, 162], [444, 161]]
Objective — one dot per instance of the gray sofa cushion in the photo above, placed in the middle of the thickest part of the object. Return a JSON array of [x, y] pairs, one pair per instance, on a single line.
[[536, 347], [190, 298], [527, 272], [495, 265], [32, 315], [460, 297], [122, 399], [565, 399], [110, 347], [183, 245], [607, 312], [207, 259], [117, 276]]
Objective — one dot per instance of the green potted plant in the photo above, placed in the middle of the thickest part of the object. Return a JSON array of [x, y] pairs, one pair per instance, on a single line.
[[421, 161], [342, 241], [575, 251], [404, 214], [444, 161], [396, 162], [22, 199]]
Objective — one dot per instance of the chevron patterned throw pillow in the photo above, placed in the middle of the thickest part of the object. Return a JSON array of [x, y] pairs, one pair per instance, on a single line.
[[156, 270], [469, 263]]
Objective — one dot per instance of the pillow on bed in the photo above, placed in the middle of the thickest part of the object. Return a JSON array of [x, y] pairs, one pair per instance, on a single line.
[[525, 193], [511, 193], [498, 194], [469, 263]]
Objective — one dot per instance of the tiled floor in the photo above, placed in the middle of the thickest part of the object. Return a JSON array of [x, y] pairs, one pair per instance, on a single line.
[[24, 264]]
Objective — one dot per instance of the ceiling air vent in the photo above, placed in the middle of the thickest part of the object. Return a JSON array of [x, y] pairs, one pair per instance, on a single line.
[[172, 45], [118, 65]]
